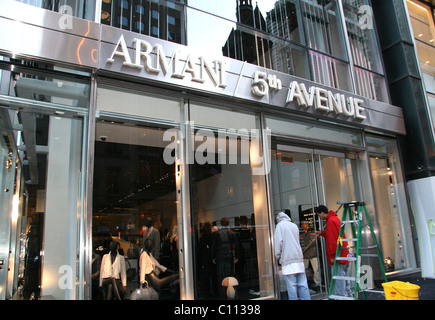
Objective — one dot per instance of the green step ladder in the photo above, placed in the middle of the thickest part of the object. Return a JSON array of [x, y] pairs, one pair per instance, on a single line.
[[356, 222]]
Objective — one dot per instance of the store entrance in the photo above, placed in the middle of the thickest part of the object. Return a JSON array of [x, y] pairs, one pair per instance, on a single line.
[[302, 179], [135, 207]]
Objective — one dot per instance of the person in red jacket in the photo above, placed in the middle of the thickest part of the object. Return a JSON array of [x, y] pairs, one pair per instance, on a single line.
[[331, 234]]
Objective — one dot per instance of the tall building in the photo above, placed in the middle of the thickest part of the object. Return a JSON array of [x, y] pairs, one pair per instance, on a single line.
[[246, 46], [407, 47], [123, 119]]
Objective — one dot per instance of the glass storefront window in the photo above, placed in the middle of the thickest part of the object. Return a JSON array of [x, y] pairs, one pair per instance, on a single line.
[[390, 204], [48, 152], [43, 118], [134, 206], [135, 203], [229, 208]]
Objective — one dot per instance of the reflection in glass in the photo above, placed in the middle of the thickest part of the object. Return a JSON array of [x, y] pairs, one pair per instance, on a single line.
[[247, 46], [273, 34], [84, 9], [283, 21], [364, 50], [290, 58], [160, 20], [329, 71], [363, 42], [323, 30], [371, 85]]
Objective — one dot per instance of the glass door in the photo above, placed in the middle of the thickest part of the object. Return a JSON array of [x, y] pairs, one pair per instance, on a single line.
[[295, 192], [301, 179]]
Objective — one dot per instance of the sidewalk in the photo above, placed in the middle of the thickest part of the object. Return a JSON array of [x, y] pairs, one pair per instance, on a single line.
[[427, 286]]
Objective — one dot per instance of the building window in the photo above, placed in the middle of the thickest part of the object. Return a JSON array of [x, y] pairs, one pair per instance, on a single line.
[[84, 9], [368, 71], [163, 20], [423, 27], [390, 203]]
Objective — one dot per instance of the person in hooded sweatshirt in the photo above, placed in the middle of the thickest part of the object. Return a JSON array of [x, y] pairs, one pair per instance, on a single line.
[[288, 253]]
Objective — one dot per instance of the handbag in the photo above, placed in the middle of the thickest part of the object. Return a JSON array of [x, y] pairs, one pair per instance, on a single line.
[[144, 292], [131, 272]]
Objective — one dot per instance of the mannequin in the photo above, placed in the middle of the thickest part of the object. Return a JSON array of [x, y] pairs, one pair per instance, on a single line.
[[150, 269], [112, 273]]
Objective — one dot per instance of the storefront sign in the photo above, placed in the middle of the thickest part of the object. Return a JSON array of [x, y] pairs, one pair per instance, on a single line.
[[109, 50], [176, 65], [325, 100], [153, 59], [198, 69], [319, 98]]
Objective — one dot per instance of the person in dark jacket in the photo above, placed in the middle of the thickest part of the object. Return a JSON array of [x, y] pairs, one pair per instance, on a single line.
[[225, 251], [309, 249], [331, 234]]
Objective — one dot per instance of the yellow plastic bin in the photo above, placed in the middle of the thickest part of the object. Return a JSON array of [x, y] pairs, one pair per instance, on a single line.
[[398, 290]]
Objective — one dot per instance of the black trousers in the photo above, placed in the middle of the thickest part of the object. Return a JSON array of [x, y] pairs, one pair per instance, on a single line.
[[111, 289]]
